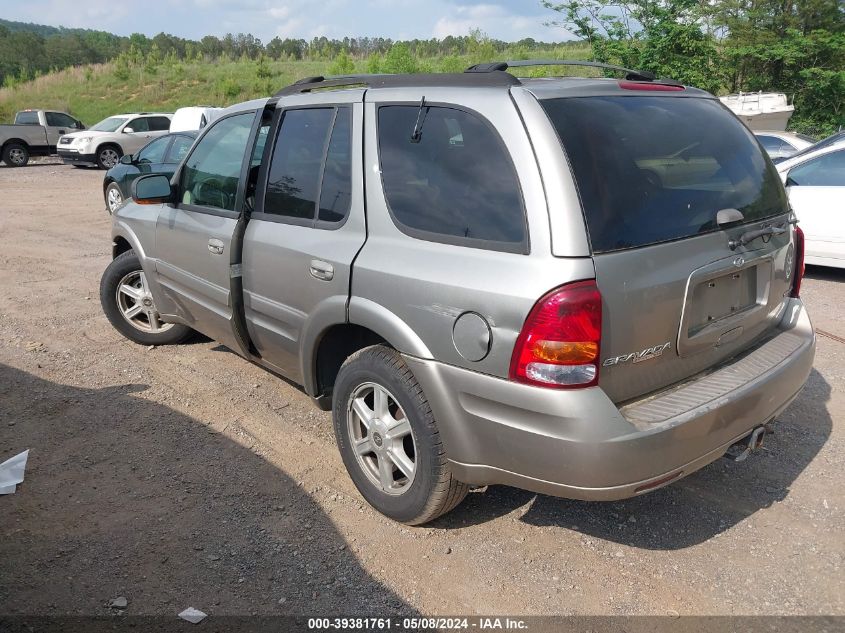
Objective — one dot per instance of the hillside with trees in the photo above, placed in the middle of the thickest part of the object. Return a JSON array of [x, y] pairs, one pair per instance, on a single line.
[[791, 46]]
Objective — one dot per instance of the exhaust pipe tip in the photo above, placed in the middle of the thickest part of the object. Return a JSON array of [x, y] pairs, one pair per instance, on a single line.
[[739, 451]]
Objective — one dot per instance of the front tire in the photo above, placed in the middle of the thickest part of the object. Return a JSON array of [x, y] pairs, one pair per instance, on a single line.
[[114, 197], [129, 306], [389, 441], [108, 156], [16, 155]]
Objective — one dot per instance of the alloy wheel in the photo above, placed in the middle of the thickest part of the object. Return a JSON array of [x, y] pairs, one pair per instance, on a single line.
[[136, 304], [381, 438], [109, 158], [114, 199]]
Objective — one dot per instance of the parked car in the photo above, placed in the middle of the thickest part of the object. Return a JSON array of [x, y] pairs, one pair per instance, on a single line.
[[474, 305], [193, 118], [34, 133], [159, 156], [103, 144], [783, 144], [815, 182]]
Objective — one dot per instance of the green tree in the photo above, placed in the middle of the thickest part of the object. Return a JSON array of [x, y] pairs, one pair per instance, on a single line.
[[342, 64], [399, 60], [665, 37]]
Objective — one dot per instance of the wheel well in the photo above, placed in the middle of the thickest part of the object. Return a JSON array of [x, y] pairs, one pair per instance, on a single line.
[[119, 247], [109, 144], [337, 344], [14, 141]]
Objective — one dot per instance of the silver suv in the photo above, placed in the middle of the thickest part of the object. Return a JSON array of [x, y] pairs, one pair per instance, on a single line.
[[581, 287]]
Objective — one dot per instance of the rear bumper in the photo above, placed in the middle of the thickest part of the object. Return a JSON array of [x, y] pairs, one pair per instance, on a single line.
[[578, 444], [70, 157]]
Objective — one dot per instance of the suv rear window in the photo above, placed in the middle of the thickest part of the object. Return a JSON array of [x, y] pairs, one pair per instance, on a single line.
[[654, 169]]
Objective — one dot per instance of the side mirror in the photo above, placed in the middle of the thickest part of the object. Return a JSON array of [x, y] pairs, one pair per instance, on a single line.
[[126, 159], [128, 130], [80, 125], [152, 189]]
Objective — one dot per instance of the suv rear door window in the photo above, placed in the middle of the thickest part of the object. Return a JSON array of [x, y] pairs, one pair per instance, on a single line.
[[311, 166], [158, 123], [654, 169], [457, 184]]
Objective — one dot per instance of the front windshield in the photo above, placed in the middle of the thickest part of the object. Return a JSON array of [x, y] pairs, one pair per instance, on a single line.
[[109, 125]]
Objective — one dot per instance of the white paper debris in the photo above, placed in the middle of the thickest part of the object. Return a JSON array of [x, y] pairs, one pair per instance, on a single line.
[[11, 473], [194, 616]]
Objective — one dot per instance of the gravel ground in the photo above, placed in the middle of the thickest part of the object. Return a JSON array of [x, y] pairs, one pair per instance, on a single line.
[[185, 476]]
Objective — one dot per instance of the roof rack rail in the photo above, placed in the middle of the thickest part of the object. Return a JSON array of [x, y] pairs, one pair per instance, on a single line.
[[310, 84], [631, 75]]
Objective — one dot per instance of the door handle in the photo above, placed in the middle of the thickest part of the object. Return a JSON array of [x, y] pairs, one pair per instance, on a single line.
[[322, 270], [215, 247]]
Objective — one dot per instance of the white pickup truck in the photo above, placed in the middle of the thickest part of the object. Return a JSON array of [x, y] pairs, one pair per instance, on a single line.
[[34, 133]]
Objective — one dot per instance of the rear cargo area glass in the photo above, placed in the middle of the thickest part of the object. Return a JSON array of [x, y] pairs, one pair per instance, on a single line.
[[655, 169]]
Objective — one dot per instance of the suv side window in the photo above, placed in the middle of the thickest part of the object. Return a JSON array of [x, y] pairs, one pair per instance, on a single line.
[[58, 119], [311, 166], [825, 171], [180, 147], [158, 123], [211, 173], [154, 152], [456, 185], [141, 124]]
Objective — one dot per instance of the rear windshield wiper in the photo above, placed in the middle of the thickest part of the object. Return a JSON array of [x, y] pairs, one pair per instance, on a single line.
[[749, 236]]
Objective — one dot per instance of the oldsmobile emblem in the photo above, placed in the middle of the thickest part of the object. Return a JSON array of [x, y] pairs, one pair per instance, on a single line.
[[638, 357], [739, 261]]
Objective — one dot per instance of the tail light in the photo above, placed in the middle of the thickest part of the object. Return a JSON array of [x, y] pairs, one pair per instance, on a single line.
[[559, 343], [799, 263]]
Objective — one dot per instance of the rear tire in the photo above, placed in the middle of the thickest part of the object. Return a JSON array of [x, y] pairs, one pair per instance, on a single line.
[[422, 488], [108, 156], [16, 155], [129, 307]]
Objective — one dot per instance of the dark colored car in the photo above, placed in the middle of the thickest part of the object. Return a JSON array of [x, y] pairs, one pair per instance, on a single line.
[[160, 156]]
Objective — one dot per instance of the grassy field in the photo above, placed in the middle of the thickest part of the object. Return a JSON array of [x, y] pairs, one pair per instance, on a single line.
[[92, 93]]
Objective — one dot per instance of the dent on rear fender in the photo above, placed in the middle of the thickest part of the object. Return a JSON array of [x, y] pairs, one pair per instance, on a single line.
[[388, 325]]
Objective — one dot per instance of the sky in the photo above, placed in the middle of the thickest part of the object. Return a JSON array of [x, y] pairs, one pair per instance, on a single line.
[[508, 20]]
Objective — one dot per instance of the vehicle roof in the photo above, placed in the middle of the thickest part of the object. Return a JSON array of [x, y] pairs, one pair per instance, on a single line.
[[494, 76], [246, 106], [554, 87], [808, 154], [140, 114], [780, 133]]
